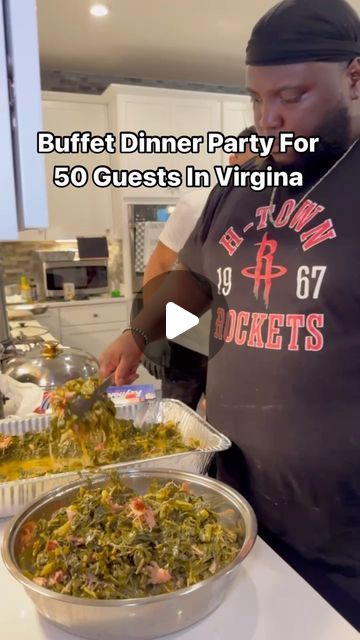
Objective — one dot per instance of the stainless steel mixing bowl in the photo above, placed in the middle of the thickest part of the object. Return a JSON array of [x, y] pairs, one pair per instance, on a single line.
[[137, 618]]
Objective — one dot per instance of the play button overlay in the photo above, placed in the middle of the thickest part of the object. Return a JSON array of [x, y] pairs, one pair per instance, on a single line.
[[181, 323], [178, 320]]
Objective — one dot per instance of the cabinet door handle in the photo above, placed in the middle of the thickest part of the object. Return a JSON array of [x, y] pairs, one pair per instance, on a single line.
[[95, 315]]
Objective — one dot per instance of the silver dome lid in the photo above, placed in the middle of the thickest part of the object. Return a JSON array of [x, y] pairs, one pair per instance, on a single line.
[[51, 365]]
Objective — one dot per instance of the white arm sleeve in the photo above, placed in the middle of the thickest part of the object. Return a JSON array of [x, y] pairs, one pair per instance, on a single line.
[[183, 220]]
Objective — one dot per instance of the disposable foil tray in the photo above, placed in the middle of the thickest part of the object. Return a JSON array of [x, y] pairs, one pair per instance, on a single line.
[[18, 426], [16, 494]]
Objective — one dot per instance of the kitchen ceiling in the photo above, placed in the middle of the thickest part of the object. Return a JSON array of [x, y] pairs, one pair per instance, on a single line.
[[200, 41]]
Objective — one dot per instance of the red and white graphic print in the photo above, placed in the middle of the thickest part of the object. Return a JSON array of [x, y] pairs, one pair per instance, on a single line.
[[276, 331]]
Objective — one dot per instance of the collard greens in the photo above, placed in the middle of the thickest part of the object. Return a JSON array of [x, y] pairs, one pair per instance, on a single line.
[[99, 438], [112, 543]]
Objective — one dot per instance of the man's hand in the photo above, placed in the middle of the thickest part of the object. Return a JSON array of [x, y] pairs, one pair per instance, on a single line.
[[122, 357], [124, 354]]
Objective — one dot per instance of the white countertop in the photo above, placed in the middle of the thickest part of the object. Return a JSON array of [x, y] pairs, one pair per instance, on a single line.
[[93, 300], [268, 601], [55, 304]]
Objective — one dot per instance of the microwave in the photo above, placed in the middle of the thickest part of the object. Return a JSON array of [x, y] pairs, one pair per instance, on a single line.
[[90, 277]]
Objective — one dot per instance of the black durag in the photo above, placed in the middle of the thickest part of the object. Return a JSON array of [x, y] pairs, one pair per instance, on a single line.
[[297, 31]]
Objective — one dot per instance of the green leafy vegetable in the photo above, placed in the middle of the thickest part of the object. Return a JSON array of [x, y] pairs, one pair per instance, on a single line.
[[112, 543], [99, 438]]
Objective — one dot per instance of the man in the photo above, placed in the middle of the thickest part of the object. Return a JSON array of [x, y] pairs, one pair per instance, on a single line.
[[185, 377], [285, 385]]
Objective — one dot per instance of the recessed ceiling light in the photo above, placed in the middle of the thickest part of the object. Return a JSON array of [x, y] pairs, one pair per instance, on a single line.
[[99, 10]]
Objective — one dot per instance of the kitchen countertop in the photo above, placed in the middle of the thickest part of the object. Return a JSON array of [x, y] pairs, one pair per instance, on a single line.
[[55, 304], [73, 303], [268, 601]]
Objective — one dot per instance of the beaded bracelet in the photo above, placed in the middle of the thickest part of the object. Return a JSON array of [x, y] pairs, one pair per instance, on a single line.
[[140, 332]]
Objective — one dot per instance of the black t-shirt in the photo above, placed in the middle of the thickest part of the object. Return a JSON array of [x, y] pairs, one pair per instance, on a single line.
[[285, 385]]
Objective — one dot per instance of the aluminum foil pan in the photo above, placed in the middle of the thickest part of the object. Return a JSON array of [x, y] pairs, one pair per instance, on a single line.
[[18, 426], [137, 618], [17, 494]]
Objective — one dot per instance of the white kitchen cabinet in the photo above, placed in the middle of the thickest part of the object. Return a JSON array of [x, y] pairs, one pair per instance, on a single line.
[[165, 114], [93, 314], [90, 326], [51, 320], [92, 338], [94, 325], [197, 117], [236, 115], [76, 211]]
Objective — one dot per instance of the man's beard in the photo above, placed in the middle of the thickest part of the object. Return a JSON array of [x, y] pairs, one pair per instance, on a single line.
[[335, 136]]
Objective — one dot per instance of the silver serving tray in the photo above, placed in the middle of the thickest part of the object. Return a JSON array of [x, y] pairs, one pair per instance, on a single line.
[[16, 494]]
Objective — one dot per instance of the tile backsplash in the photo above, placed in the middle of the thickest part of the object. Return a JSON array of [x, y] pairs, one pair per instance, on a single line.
[[19, 258]]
